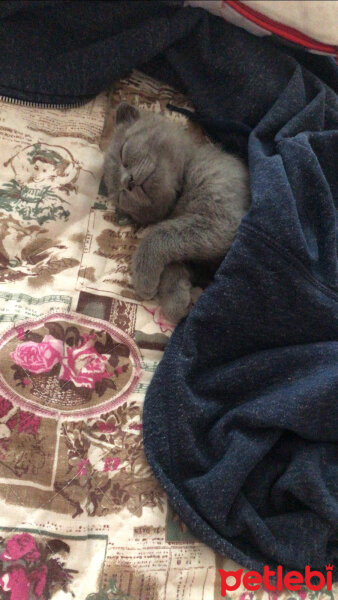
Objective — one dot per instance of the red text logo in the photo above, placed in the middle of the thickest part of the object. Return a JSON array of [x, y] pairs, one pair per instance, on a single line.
[[252, 580]]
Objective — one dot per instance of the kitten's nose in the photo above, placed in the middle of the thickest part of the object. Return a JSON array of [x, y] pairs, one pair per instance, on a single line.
[[128, 181]]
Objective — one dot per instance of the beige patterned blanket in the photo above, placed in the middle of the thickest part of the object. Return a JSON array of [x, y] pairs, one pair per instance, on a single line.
[[81, 515]]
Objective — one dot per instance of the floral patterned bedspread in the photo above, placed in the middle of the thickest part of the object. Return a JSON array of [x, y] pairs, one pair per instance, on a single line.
[[81, 515]]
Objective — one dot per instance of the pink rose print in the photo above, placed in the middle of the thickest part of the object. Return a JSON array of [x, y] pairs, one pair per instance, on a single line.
[[38, 580], [84, 365], [28, 423], [20, 545], [39, 357], [5, 406], [106, 427], [15, 581], [160, 319], [36, 572], [11, 417], [82, 467], [20, 333], [136, 426], [111, 463]]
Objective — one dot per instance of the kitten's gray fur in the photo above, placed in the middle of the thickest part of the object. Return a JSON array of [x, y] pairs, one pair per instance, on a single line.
[[193, 196]]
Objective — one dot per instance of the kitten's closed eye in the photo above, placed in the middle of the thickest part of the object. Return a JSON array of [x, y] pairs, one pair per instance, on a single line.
[[123, 157]]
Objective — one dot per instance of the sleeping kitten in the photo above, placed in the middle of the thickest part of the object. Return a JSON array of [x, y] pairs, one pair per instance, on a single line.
[[193, 196]]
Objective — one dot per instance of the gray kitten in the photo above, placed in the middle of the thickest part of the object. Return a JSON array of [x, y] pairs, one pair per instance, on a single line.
[[193, 196]]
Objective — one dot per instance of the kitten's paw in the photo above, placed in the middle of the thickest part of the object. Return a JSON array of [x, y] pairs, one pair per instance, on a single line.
[[144, 285], [177, 305], [145, 272]]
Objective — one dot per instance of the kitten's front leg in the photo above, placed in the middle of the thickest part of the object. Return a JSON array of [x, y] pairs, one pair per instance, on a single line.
[[186, 238], [147, 267]]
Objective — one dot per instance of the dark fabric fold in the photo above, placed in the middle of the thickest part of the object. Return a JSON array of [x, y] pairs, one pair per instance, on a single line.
[[240, 420], [68, 51]]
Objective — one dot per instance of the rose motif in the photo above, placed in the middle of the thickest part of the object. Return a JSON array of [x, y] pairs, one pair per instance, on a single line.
[[20, 545], [33, 572], [38, 357], [84, 365], [5, 406], [38, 579], [28, 423], [106, 427], [82, 467], [81, 359], [111, 463], [16, 582], [102, 463]]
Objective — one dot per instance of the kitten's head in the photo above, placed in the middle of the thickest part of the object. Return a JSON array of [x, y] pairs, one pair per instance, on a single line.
[[144, 165]]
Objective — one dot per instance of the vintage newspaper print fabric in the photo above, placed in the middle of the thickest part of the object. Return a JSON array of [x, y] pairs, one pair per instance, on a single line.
[[81, 515]]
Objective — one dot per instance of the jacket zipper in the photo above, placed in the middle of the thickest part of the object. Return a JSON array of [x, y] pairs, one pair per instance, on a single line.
[[30, 104], [289, 33]]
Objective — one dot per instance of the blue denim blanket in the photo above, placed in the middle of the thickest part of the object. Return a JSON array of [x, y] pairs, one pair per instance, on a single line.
[[240, 420]]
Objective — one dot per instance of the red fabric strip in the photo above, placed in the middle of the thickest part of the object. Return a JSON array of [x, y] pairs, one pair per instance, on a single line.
[[279, 29]]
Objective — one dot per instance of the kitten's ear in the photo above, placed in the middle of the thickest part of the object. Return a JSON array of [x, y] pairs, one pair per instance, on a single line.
[[126, 113]]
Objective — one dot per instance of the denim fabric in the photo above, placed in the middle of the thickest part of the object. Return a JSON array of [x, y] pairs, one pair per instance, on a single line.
[[240, 420], [60, 51]]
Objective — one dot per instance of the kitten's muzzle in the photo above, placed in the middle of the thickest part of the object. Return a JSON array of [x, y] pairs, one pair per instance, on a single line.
[[128, 182]]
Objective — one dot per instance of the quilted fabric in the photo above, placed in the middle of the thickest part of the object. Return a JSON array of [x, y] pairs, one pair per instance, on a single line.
[[82, 515]]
